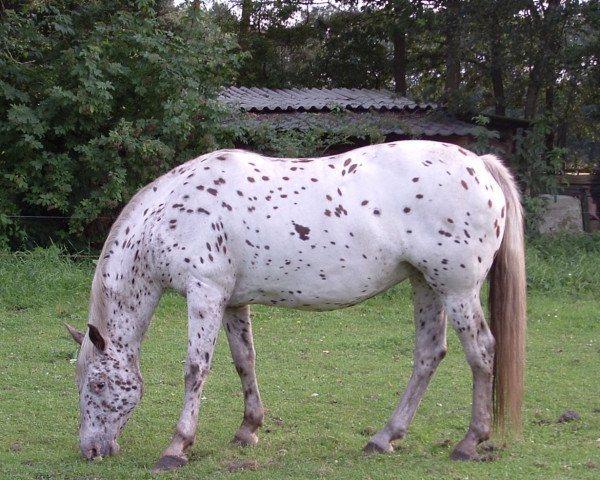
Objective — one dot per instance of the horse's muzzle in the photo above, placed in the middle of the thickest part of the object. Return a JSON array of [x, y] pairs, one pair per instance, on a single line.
[[97, 450]]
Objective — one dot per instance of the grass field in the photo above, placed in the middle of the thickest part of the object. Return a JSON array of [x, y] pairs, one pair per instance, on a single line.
[[328, 380]]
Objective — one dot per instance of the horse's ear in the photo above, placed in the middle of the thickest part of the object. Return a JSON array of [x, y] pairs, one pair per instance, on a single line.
[[76, 334], [96, 338]]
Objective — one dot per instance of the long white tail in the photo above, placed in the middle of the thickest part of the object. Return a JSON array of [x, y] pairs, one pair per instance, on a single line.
[[508, 305]]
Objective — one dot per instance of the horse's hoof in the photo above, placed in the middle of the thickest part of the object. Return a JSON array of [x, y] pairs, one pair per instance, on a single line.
[[461, 455], [372, 447], [245, 439], [168, 463]]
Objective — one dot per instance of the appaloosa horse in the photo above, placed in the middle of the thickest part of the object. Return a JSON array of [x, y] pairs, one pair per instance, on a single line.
[[233, 228]]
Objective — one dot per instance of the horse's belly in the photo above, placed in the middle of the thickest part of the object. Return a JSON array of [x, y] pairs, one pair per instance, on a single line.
[[317, 288]]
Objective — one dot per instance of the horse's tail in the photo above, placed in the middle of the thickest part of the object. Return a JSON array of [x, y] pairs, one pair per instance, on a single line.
[[508, 306]]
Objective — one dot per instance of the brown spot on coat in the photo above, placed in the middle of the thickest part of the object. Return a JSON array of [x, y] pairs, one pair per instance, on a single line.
[[302, 231]]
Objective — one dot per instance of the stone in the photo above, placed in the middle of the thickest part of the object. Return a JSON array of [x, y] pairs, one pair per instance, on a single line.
[[563, 214]]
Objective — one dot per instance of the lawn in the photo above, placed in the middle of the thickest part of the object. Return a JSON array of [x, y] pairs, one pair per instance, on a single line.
[[328, 381]]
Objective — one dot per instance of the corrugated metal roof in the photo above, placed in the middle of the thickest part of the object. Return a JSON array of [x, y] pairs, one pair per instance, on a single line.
[[315, 99], [333, 109]]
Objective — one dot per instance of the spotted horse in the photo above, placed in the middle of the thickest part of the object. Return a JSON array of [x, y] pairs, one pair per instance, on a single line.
[[233, 228]]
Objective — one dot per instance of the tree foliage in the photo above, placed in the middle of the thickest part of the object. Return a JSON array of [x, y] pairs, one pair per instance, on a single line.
[[96, 99], [529, 58]]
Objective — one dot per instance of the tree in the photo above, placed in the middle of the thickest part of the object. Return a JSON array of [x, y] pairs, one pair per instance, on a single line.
[[453, 34], [97, 99], [400, 19], [548, 21]]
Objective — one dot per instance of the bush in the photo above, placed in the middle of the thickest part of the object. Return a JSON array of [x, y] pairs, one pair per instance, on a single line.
[[313, 137], [96, 100]]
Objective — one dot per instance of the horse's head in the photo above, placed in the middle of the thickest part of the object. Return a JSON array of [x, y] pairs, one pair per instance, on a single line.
[[110, 386]]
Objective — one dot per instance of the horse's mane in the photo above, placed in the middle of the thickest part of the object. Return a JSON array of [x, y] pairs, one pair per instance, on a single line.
[[97, 315]]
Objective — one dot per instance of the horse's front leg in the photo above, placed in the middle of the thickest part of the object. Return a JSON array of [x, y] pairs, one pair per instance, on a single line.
[[239, 334], [205, 313]]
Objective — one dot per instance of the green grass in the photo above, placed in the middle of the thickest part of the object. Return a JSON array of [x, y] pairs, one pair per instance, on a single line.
[[328, 380]]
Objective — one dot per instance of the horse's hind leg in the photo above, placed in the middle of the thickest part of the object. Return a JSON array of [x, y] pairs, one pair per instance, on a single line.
[[466, 316], [430, 349], [239, 334]]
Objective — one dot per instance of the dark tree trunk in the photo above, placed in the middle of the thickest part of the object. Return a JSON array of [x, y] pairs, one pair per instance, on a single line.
[[401, 11], [453, 23], [244, 29], [498, 88], [399, 38], [543, 69], [550, 136], [497, 62]]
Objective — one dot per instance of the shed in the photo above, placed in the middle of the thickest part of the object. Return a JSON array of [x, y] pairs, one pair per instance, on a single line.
[[394, 117]]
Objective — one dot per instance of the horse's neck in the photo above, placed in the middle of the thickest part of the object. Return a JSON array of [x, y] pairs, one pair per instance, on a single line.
[[124, 295]]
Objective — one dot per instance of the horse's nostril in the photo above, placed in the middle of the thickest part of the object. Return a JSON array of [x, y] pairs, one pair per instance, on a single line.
[[92, 453]]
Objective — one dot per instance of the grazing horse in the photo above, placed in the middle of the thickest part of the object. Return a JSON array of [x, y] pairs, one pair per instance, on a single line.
[[233, 228]]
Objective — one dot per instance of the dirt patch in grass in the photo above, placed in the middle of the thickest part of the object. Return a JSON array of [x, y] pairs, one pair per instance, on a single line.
[[237, 465]]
